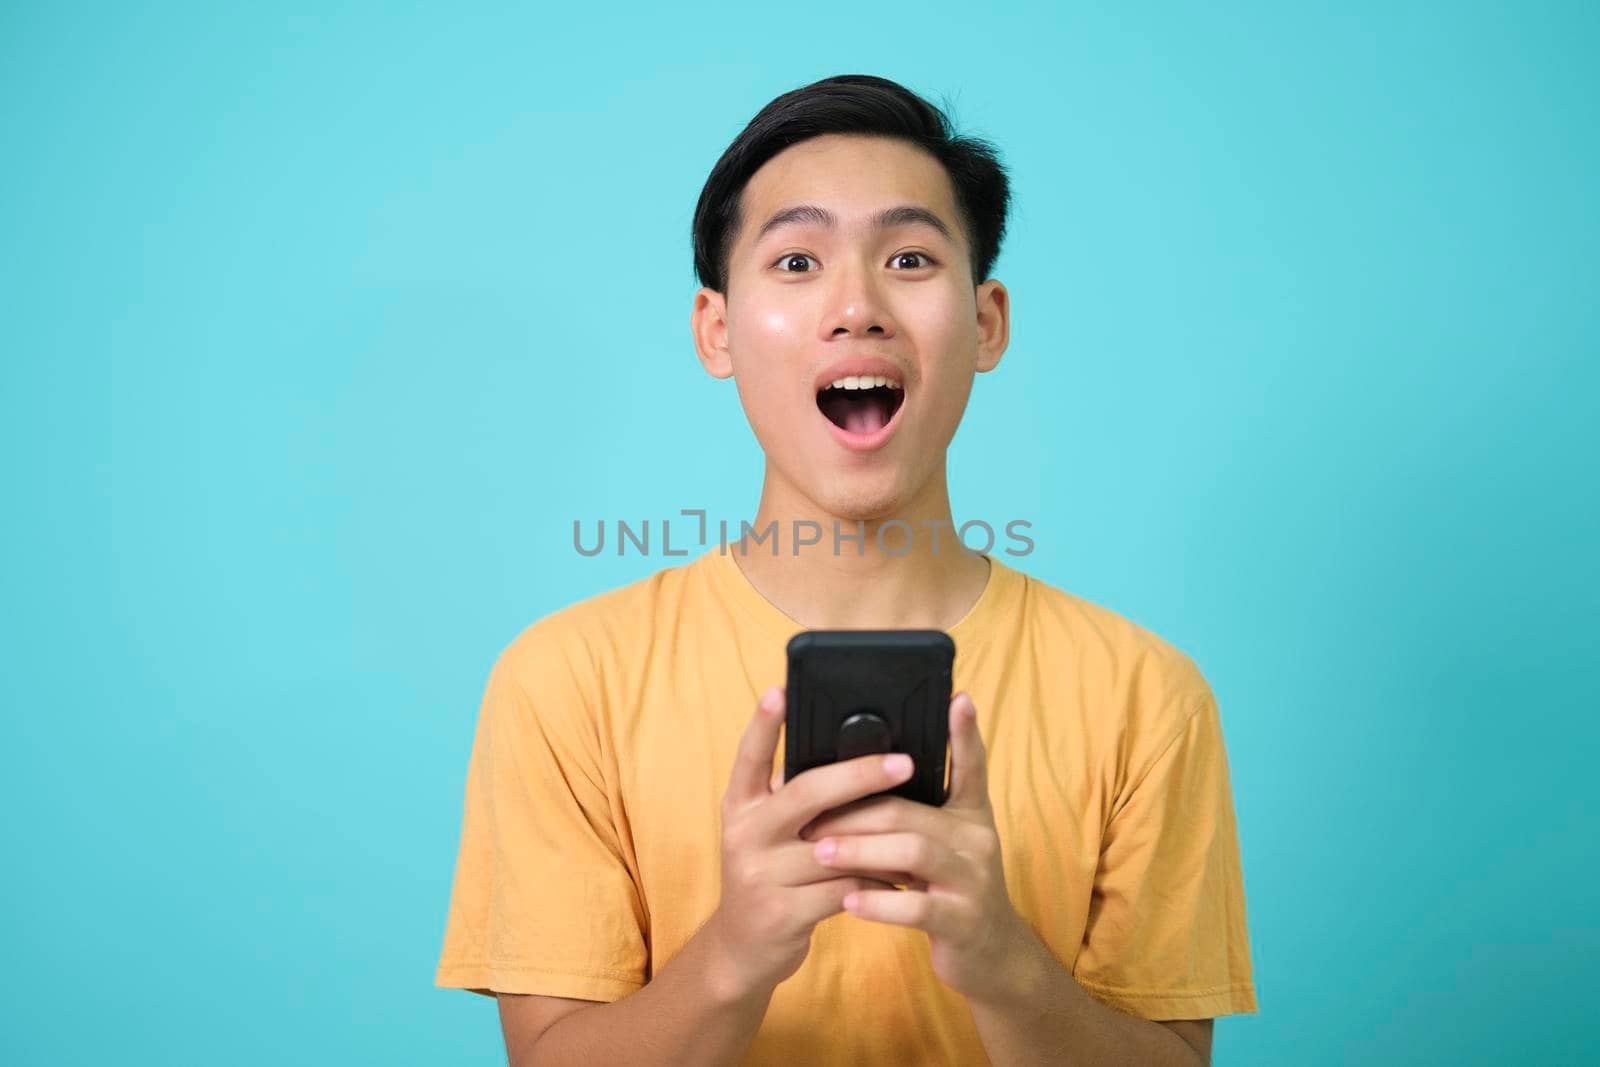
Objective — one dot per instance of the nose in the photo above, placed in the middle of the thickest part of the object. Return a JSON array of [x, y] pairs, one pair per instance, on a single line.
[[857, 306]]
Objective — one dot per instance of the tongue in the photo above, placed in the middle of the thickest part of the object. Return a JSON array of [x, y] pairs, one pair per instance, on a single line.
[[857, 411], [865, 415]]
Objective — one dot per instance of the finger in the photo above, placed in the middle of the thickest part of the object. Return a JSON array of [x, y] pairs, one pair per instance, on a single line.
[[934, 913], [813, 903], [796, 864], [881, 815], [969, 772], [921, 857], [752, 764], [823, 788], [819, 827]]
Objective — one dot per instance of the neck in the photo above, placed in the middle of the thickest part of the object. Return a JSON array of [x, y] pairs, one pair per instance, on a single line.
[[905, 570]]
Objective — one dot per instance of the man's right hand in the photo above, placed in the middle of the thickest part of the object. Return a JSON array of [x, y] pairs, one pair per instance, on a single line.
[[773, 889]]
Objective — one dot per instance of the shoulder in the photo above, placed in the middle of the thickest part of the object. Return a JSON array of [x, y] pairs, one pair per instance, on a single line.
[[1100, 638], [589, 637], [1142, 686]]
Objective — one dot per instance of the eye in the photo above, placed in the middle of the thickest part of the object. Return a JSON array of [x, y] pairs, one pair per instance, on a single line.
[[921, 255], [790, 258]]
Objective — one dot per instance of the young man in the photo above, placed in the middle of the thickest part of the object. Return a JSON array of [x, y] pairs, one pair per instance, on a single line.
[[636, 882]]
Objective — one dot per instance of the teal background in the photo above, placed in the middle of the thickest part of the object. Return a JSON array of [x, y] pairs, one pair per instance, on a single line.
[[321, 325]]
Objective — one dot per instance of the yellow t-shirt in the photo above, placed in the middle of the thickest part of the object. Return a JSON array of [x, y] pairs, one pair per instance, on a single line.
[[590, 848]]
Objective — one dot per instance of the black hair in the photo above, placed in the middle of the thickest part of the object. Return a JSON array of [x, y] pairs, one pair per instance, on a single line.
[[852, 104]]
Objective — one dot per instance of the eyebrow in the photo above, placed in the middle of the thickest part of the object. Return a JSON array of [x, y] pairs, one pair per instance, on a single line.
[[888, 218]]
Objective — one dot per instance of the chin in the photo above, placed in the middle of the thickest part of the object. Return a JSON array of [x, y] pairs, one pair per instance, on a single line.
[[866, 503]]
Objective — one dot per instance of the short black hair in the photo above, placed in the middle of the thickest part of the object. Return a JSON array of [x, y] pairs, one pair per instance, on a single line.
[[852, 104]]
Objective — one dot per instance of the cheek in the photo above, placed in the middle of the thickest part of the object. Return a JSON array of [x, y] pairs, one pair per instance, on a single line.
[[952, 321], [759, 325], [949, 339], [764, 341], [777, 325], [940, 323]]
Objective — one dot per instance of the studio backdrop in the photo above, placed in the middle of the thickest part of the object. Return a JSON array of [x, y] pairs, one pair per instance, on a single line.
[[321, 326]]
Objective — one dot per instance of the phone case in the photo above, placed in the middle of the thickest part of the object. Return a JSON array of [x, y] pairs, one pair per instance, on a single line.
[[855, 692]]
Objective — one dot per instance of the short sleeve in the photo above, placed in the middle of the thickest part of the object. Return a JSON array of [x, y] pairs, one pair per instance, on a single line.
[[542, 900], [1166, 936]]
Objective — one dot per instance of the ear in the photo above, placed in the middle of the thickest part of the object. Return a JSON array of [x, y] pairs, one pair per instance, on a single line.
[[709, 324], [994, 323]]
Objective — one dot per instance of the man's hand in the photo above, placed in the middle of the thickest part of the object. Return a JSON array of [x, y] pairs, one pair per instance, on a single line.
[[957, 890], [774, 891]]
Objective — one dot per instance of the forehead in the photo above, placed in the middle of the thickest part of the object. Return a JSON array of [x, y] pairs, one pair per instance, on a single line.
[[853, 176]]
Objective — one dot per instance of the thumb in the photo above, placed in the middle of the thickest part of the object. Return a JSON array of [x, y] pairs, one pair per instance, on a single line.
[[969, 771], [754, 759]]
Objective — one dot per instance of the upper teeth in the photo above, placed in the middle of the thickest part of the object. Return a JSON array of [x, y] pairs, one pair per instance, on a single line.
[[865, 381]]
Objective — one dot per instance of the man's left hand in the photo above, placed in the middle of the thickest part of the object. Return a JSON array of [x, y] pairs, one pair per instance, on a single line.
[[956, 886]]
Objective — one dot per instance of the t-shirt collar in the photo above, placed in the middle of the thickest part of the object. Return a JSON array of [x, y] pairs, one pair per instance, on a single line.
[[970, 630]]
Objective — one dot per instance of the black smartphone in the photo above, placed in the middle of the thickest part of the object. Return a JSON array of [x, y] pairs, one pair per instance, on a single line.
[[858, 692]]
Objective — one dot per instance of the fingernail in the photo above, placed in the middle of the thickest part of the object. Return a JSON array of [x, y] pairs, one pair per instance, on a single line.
[[826, 849], [898, 764]]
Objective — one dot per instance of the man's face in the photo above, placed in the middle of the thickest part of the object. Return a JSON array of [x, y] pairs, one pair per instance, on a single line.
[[805, 300]]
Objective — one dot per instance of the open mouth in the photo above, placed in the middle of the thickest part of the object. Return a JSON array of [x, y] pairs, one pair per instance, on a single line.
[[864, 409]]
